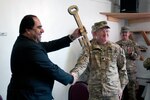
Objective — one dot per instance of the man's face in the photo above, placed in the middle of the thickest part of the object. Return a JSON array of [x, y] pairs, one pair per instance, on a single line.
[[37, 30], [102, 35], [125, 35]]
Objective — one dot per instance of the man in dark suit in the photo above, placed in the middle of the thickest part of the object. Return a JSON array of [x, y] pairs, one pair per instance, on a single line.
[[33, 73]]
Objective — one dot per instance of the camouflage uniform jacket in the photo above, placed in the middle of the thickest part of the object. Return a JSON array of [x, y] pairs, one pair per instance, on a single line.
[[132, 53], [107, 69]]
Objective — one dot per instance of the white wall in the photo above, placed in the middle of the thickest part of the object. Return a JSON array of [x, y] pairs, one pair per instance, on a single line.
[[57, 22], [144, 6]]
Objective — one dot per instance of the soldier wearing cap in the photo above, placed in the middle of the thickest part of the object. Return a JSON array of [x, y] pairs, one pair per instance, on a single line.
[[106, 65], [132, 53]]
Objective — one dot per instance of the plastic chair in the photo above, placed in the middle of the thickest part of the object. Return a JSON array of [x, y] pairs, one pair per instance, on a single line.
[[78, 91], [1, 97]]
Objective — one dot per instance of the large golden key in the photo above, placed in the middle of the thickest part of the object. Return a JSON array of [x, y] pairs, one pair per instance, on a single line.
[[84, 41]]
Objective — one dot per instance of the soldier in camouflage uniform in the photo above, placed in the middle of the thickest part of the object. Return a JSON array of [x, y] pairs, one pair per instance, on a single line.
[[132, 53], [106, 65]]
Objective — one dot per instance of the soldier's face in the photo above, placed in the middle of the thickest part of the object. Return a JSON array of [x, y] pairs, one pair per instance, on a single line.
[[125, 35], [102, 35]]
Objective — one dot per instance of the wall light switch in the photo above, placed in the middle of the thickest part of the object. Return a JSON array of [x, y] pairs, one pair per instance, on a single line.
[[3, 33]]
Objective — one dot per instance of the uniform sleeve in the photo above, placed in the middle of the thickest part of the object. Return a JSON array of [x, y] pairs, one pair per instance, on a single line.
[[82, 63], [85, 75], [136, 52], [121, 63]]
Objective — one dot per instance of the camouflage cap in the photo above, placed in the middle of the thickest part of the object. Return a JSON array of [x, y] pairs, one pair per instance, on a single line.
[[125, 29], [146, 63], [99, 25]]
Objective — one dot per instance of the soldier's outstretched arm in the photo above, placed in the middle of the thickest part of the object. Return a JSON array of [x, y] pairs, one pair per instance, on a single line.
[[82, 63]]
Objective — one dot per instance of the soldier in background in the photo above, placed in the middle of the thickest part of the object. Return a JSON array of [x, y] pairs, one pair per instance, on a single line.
[[132, 53], [106, 65]]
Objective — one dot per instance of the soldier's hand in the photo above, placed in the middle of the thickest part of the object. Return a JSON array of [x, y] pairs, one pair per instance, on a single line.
[[75, 76]]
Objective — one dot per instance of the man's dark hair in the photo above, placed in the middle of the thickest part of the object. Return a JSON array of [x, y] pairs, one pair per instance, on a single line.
[[26, 23]]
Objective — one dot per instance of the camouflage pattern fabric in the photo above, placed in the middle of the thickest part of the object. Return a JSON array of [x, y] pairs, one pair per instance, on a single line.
[[114, 97], [146, 63], [132, 53], [99, 25], [107, 72]]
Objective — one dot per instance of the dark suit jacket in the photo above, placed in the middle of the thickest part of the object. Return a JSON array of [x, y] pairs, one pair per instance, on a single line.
[[33, 73]]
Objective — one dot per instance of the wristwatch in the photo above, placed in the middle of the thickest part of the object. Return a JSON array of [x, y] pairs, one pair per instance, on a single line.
[[72, 37]]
